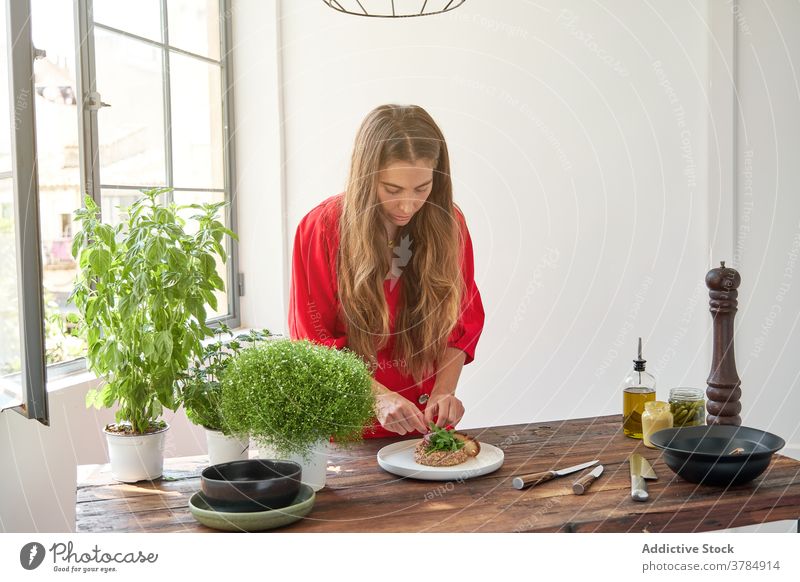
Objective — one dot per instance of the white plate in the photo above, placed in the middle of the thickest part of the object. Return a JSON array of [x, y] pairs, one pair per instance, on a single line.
[[398, 458]]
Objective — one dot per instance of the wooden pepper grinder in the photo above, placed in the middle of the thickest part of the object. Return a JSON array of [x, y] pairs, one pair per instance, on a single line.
[[724, 387]]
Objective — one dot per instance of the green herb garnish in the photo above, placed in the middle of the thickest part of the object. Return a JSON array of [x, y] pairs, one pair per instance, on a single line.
[[441, 439]]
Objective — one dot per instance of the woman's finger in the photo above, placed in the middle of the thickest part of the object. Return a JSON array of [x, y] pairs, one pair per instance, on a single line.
[[401, 424], [430, 412], [396, 427], [417, 421], [456, 412], [444, 412]]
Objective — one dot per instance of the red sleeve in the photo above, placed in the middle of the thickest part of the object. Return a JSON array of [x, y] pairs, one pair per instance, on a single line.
[[468, 330], [313, 305]]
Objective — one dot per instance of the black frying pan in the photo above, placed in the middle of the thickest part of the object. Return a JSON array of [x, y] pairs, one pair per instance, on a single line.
[[717, 454]]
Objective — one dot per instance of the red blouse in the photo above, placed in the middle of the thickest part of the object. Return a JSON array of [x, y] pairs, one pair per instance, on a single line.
[[314, 303]]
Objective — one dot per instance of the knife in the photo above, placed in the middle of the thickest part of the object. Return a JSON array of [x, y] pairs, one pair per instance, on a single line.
[[640, 470], [581, 485], [532, 479]]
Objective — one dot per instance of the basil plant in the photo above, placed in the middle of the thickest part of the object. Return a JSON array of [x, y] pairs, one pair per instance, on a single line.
[[141, 291]]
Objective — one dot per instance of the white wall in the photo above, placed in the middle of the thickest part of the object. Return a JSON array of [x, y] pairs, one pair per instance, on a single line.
[[594, 153], [583, 184], [37, 491], [258, 141], [767, 206]]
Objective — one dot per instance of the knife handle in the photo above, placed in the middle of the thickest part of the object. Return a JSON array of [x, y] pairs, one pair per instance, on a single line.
[[532, 479], [581, 485], [638, 488]]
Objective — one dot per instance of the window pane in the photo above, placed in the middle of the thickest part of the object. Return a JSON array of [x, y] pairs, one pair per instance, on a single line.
[[196, 123], [191, 226], [194, 26], [142, 17], [59, 171], [131, 130]]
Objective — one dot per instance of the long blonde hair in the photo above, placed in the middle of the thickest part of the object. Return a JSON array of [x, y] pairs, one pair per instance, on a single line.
[[432, 285]]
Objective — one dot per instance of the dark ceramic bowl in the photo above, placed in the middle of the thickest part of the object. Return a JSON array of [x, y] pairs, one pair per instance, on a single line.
[[260, 483], [719, 455]]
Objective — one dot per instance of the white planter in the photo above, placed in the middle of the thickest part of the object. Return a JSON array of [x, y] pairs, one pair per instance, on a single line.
[[315, 469], [223, 448], [136, 457]]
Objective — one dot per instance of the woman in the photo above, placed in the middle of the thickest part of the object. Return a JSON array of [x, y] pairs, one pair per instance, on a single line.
[[385, 268]]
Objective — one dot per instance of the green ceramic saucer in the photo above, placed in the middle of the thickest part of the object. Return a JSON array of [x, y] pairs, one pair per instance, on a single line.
[[252, 520]]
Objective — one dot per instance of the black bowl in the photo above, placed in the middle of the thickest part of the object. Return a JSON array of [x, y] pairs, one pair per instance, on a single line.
[[251, 484], [705, 454]]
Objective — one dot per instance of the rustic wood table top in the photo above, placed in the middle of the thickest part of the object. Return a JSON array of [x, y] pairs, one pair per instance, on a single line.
[[361, 497]]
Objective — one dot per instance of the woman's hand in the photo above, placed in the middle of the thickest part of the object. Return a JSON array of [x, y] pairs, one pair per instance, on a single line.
[[397, 413], [443, 401], [447, 407]]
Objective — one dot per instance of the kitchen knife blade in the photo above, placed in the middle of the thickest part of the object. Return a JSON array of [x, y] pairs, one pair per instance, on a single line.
[[573, 468], [531, 479], [640, 470], [581, 485]]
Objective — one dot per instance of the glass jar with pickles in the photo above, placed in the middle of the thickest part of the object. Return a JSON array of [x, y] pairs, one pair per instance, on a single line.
[[687, 406]]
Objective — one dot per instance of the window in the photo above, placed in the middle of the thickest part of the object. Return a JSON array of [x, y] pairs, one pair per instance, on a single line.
[[155, 74], [142, 100]]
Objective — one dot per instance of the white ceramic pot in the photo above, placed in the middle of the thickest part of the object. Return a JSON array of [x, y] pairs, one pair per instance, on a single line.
[[315, 468], [223, 448], [136, 457]]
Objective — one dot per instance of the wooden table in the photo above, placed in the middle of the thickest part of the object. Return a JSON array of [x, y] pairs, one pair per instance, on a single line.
[[362, 497]]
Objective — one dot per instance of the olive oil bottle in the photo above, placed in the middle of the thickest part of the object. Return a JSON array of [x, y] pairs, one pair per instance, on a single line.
[[638, 387]]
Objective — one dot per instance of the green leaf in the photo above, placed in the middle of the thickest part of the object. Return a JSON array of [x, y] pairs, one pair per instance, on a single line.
[[217, 282], [210, 298], [91, 397], [163, 344], [126, 306], [92, 305], [148, 345], [107, 396], [77, 243], [100, 260], [105, 232], [209, 266], [197, 308]]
